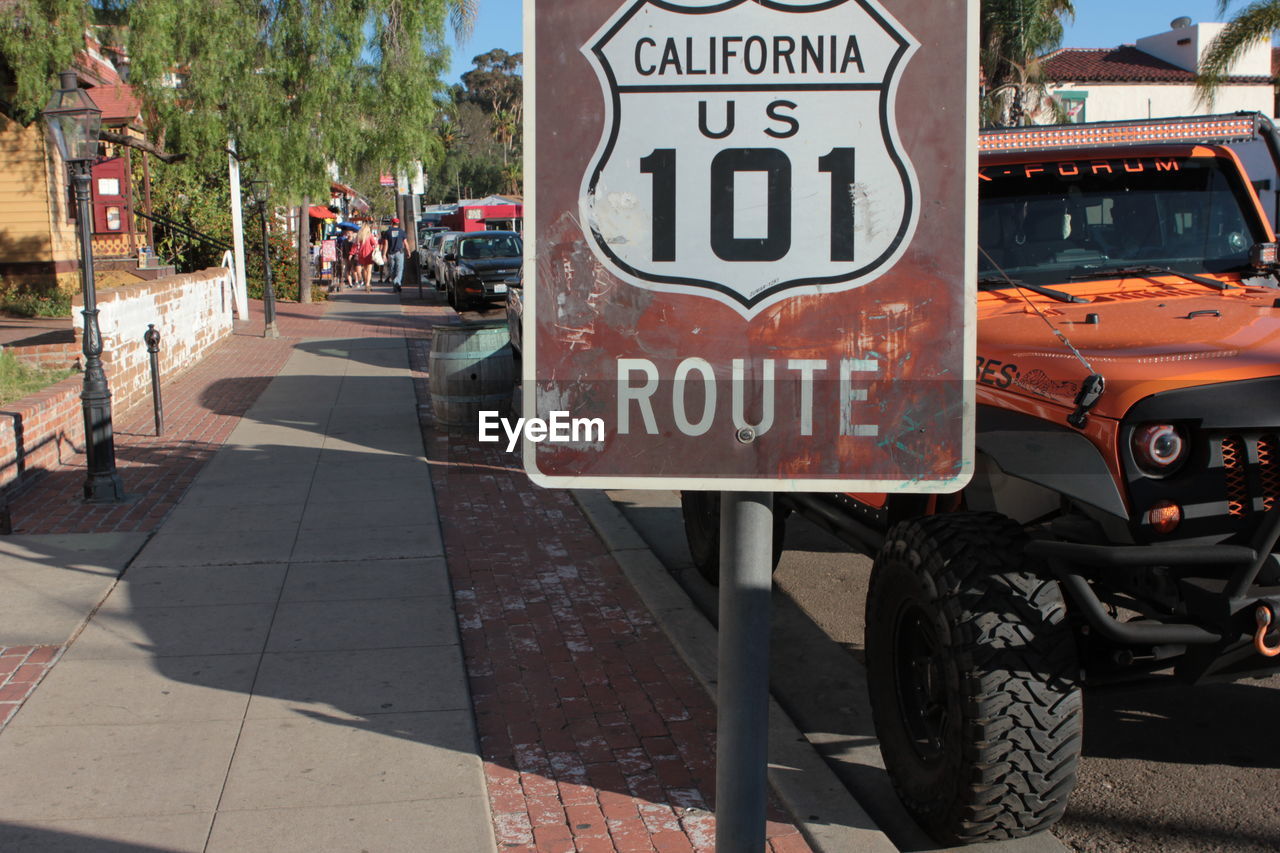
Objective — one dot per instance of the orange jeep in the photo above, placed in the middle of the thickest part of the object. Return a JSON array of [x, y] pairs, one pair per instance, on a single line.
[[1121, 520]]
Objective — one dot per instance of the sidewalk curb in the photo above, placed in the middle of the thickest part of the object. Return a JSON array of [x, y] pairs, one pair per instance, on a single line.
[[830, 819]]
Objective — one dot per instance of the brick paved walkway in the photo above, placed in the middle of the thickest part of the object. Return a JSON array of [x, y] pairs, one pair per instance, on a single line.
[[21, 668], [594, 733]]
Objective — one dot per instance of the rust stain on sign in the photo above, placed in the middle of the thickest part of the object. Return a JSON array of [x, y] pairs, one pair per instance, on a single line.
[[714, 248]]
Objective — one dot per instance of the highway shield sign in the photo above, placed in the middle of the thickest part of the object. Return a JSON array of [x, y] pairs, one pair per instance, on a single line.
[[781, 88], [749, 242]]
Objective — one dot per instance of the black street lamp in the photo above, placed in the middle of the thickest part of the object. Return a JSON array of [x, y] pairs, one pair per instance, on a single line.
[[73, 121], [261, 190]]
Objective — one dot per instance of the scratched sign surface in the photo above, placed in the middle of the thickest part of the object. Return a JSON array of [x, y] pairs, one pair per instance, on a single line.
[[749, 242]]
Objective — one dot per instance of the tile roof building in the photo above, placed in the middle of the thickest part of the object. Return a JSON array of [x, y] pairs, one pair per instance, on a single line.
[[1155, 77], [1125, 64]]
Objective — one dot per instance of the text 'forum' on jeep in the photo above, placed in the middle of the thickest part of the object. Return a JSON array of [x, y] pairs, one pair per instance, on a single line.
[[1122, 519]]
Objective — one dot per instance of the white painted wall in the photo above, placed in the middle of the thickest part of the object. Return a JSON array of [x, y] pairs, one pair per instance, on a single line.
[[192, 313], [1119, 101], [1256, 61]]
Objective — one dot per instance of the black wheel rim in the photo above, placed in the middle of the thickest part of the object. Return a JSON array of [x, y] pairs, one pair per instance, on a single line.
[[920, 682]]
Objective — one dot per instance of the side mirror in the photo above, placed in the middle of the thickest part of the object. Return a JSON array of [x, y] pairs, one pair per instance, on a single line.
[[450, 256]]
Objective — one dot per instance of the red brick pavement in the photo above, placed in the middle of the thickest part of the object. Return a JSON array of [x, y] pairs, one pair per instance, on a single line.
[[21, 669], [595, 736], [201, 407]]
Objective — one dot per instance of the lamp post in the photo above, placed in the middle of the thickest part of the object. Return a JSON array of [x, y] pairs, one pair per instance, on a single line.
[[261, 190], [73, 121]]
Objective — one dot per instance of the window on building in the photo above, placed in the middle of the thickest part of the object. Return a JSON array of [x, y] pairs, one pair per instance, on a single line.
[[1073, 104]]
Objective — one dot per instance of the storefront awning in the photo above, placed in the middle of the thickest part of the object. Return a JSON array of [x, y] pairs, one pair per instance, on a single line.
[[318, 212]]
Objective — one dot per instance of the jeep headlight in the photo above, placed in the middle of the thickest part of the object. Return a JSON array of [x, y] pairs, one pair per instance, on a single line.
[[1159, 449], [463, 269]]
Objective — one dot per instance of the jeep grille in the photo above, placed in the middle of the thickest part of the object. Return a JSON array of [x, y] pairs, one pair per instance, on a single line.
[[1239, 452]]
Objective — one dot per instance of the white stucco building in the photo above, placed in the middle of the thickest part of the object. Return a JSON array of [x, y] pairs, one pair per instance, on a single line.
[[1155, 77]]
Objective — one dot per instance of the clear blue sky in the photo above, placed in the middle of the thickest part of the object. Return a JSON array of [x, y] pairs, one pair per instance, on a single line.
[[1109, 23], [1098, 23], [497, 25]]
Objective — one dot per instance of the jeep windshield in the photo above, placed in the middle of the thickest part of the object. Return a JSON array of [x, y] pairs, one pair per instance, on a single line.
[[1053, 221]]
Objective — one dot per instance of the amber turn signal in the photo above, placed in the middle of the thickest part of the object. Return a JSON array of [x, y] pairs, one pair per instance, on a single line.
[[1164, 517]]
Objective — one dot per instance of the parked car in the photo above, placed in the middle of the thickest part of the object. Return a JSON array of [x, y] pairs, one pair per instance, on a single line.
[[479, 266], [515, 312], [425, 233], [435, 255]]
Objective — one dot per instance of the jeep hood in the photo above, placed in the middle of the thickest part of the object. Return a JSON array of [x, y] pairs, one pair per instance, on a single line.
[[1144, 340]]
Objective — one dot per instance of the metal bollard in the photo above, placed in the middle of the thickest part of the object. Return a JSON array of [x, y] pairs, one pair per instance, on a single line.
[[152, 337]]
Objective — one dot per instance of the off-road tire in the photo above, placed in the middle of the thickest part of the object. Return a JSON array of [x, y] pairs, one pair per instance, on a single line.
[[701, 511], [973, 678]]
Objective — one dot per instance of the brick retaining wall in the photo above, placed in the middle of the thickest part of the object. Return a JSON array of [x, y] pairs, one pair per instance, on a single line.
[[47, 356], [192, 312]]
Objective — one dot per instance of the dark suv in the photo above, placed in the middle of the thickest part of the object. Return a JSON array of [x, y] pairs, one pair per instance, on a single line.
[[479, 267]]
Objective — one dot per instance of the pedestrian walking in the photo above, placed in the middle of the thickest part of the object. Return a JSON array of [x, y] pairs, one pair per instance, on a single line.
[[343, 273], [362, 255], [393, 245]]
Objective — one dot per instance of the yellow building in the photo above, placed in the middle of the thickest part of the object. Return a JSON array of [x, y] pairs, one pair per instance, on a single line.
[[38, 237]]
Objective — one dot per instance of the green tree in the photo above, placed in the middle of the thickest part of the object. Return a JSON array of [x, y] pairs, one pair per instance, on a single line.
[[38, 38], [1014, 36], [1252, 24], [198, 201], [297, 84], [496, 85], [472, 164], [478, 124]]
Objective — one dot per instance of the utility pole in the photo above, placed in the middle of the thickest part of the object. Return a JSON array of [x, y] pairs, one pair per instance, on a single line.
[[304, 250]]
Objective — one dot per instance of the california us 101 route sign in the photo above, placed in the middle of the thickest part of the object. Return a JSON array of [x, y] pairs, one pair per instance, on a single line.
[[750, 243]]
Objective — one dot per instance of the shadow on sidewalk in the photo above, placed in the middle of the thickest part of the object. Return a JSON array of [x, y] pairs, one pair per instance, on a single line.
[[30, 839], [586, 715]]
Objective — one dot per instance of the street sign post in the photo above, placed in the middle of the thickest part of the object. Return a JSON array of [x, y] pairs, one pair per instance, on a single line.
[[750, 247], [750, 259]]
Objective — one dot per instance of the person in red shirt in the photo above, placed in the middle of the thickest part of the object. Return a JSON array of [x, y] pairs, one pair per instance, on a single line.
[[362, 255]]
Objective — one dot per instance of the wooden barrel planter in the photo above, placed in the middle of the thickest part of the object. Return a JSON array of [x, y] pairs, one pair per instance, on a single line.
[[471, 370]]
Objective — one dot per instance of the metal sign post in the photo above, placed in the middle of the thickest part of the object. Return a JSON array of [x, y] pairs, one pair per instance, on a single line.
[[742, 700], [749, 262]]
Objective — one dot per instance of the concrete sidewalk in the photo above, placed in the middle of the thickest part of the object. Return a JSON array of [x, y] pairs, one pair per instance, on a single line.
[[305, 652], [279, 668]]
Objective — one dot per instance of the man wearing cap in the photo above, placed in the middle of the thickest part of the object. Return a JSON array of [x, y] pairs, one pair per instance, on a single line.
[[393, 248]]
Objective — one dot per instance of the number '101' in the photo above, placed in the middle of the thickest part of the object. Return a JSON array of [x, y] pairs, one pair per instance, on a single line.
[[777, 167]]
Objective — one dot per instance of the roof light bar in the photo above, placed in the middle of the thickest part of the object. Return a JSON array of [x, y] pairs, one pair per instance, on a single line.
[[1196, 129]]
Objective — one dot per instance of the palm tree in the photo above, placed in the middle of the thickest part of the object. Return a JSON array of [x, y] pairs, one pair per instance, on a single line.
[[462, 14], [1014, 36], [506, 129], [1253, 23]]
